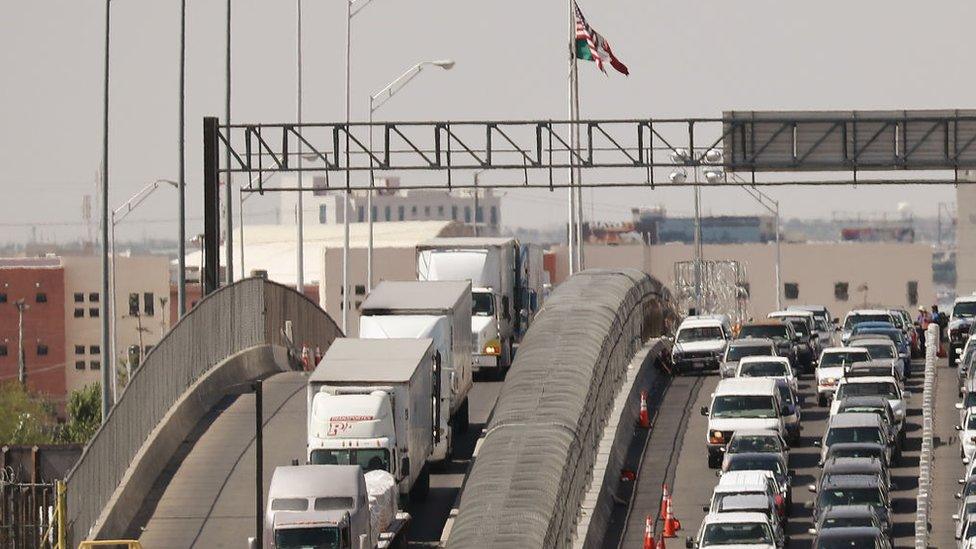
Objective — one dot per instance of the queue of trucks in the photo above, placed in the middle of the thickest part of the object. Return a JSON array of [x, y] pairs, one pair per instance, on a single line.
[[383, 407]]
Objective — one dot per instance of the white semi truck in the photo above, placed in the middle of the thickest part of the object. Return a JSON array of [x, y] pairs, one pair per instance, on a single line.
[[333, 506], [503, 303], [375, 403], [441, 311]]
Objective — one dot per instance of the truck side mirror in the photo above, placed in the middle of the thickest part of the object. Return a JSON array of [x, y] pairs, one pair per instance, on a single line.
[[704, 411], [404, 466]]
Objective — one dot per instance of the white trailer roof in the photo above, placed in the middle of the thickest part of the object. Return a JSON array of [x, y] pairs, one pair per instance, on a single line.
[[466, 242], [351, 360], [309, 481], [415, 295]]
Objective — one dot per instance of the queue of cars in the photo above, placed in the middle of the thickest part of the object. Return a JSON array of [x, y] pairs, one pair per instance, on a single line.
[[965, 357], [755, 414]]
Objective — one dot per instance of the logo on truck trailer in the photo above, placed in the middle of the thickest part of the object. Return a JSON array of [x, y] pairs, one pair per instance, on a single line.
[[341, 424]]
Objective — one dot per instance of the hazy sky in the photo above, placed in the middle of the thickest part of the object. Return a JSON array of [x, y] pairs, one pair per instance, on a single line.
[[687, 58]]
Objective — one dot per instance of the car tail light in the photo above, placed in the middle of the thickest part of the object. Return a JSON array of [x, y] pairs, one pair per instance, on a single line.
[[780, 504]]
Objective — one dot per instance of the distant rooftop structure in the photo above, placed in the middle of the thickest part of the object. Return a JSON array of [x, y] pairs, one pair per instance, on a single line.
[[655, 227]]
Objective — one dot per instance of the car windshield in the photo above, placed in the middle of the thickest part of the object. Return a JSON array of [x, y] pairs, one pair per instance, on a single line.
[[965, 309], [820, 325], [743, 406], [868, 389], [763, 369], [970, 400], [736, 534], [371, 459], [800, 327], [854, 320], [857, 452], [880, 351], [850, 496], [769, 331], [785, 394], [702, 333], [866, 409], [846, 522], [853, 434], [307, 538], [757, 443], [847, 543], [738, 352], [756, 463], [969, 489], [971, 423], [482, 304], [897, 320], [845, 358]]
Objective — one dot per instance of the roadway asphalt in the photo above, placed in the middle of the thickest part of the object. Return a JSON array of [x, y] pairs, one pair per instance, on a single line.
[[692, 481], [947, 465], [206, 496]]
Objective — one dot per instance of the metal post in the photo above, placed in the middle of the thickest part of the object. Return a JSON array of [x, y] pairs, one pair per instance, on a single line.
[[211, 206], [579, 174], [21, 359], [300, 217], [106, 305], [698, 247], [229, 192], [571, 225], [345, 193], [115, 330], [240, 213], [476, 175], [779, 283], [259, 461], [181, 259], [369, 205]]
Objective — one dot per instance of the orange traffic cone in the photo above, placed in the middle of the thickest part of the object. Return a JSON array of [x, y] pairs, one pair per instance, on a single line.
[[648, 534], [305, 357], [665, 502], [660, 543], [644, 420], [671, 524]]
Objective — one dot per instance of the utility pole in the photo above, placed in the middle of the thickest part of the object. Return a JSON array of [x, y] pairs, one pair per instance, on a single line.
[[21, 359], [106, 303], [229, 191], [181, 260]]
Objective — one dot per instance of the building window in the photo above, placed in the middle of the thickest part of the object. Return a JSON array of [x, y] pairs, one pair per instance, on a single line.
[[79, 297], [792, 290], [149, 304], [41, 349], [493, 212], [93, 297], [400, 213], [360, 289], [427, 212], [467, 214], [79, 349], [94, 349], [479, 215], [323, 213], [841, 291], [133, 304], [3, 349], [96, 365], [93, 312], [79, 365], [913, 292], [79, 313], [413, 212], [454, 213], [41, 297], [440, 211], [3, 297], [361, 214], [387, 212]]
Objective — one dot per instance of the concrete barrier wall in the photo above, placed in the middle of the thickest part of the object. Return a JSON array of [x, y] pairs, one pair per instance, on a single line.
[[537, 456], [248, 314], [924, 501]]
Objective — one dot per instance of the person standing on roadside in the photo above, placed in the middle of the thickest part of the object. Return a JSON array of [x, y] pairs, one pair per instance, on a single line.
[[921, 324]]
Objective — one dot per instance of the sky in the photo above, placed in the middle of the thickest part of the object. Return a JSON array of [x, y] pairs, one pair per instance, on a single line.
[[686, 59]]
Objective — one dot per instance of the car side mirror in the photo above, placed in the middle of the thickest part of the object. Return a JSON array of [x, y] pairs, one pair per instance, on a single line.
[[958, 495], [961, 481], [704, 411], [706, 508], [816, 443], [959, 406], [955, 516], [690, 543], [812, 531], [718, 473], [958, 427]]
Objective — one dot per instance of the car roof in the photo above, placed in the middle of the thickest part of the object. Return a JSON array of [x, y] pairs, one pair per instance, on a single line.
[[861, 341], [848, 532], [752, 342], [745, 386], [865, 401], [851, 465], [745, 501], [771, 456], [755, 432], [739, 478], [855, 445], [767, 322], [793, 312], [870, 379], [850, 481], [859, 312], [697, 322], [855, 348], [854, 419], [725, 518], [776, 359], [842, 511]]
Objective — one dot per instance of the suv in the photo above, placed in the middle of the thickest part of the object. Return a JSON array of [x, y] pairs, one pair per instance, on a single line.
[[700, 343], [822, 321], [856, 427], [780, 332], [884, 386], [831, 367], [741, 403], [960, 324], [841, 491], [753, 530], [871, 330], [807, 338], [858, 316], [742, 348]]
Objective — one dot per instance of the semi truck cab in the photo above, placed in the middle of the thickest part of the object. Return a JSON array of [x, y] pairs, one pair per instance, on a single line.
[[488, 311], [354, 430]]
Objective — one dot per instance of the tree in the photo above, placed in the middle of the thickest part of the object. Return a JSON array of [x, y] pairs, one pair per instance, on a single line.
[[26, 418], [84, 414]]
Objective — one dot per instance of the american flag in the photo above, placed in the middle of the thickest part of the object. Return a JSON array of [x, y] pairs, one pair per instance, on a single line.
[[591, 46]]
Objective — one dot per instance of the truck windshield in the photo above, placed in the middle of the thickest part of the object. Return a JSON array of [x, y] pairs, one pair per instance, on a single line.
[[370, 459], [844, 358], [743, 406], [851, 496], [703, 333], [867, 389], [482, 304], [738, 352], [771, 331], [736, 534], [763, 369], [965, 309], [327, 537], [880, 351], [854, 434], [854, 320]]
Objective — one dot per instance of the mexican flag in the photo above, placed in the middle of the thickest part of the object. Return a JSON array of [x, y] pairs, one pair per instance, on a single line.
[[590, 46]]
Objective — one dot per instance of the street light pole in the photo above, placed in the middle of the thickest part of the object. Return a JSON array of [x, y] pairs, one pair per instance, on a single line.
[[229, 191], [21, 359], [106, 341], [698, 247], [384, 95], [181, 246], [765, 200], [300, 209]]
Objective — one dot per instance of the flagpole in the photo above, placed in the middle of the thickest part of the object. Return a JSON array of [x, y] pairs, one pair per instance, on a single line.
[[579, 172], [571, 192]]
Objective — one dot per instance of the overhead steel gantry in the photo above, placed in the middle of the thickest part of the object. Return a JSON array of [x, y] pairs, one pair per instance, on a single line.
[[752, 148]]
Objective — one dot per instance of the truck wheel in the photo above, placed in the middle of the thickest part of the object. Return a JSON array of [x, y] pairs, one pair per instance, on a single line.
[[422, 487], [952, 355], [462, 419]]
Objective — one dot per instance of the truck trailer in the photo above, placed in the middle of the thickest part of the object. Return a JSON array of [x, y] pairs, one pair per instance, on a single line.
[[441, 311], [375, 403]]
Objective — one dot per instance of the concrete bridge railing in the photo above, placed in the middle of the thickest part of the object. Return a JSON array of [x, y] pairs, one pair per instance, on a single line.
[[233, 337]]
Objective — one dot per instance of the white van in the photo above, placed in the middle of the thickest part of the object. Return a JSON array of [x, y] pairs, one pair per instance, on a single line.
[[700, 342], [741, 403]]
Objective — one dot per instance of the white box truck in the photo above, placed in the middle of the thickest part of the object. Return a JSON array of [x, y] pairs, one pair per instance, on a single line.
[[374, 403], [491, 264], [441, 311], [333, 506]]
